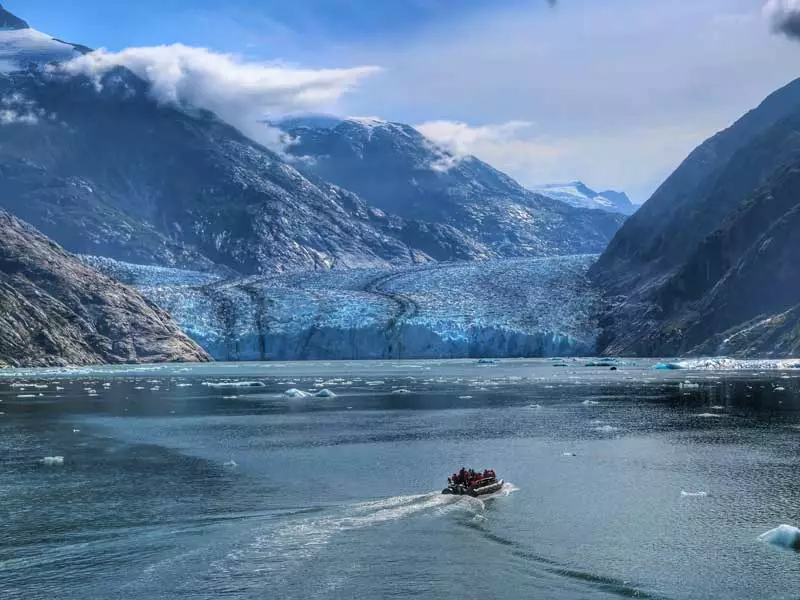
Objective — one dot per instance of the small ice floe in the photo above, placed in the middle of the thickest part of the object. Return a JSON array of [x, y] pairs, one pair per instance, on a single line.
[[182, 385], [138, 387], [231, 464], [106, 385], [785, 536], [40, 386], [465, 397], [688, 385], [717, 407], [780, 389], [76, 431], [708, 416], [606, 429], [590, 403], [569, 454], [325, 393], [233, 384], [155, 388], [52, 461], [488, 361], [369, 382], [26, 395], [59, 389], [685, 494], [401, 392], [295, 393], [534, 406], [230, 397]]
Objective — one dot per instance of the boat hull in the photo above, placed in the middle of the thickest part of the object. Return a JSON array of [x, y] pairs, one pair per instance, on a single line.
[[462, 490]]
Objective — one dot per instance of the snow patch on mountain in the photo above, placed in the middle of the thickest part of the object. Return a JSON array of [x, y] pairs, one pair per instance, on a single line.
[[21, 49]]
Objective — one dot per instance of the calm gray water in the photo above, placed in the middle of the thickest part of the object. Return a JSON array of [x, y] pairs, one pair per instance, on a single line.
[[174, 489]]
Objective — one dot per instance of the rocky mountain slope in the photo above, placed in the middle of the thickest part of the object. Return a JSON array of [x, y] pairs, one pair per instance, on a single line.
[[55, 310], [578, 194], [395, 168], [709, 263]]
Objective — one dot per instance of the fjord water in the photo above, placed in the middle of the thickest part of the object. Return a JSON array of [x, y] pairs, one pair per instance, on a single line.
[[631, 483]]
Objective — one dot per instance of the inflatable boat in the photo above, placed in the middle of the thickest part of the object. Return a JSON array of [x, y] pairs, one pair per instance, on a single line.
[[481, 487]]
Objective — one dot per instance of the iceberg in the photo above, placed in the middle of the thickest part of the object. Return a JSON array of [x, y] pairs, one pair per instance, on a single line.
[[785, 536], [295, 393], [51, 461]]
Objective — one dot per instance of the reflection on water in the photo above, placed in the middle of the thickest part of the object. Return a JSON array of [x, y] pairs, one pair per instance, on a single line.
[[632, 483]]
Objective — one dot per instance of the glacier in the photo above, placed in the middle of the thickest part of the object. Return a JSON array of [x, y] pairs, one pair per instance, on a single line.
[[532, 307]]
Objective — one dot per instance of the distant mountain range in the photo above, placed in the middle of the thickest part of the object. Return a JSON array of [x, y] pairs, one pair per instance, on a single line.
[[106, 170], [710, 264], [578, 194], [395, 168]]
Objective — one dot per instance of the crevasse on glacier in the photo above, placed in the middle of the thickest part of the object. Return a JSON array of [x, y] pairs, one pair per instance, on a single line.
[[497, 309]]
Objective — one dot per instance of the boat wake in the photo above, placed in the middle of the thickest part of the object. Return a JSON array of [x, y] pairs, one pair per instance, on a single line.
[[279, 552]]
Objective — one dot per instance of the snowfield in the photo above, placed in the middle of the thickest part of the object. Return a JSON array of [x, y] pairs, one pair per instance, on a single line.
[[497, 309]]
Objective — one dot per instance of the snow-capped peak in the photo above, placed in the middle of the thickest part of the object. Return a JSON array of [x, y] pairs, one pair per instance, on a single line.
[[9, 21], [577, 193]]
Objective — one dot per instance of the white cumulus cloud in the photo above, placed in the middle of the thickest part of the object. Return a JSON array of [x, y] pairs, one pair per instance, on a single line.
[[524, 151], [239, 92]]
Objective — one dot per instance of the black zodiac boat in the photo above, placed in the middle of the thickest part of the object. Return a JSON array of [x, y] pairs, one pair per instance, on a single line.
[[470, 483]]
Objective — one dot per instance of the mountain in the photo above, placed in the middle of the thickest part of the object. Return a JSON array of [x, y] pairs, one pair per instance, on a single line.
[[709, 263], [55, 310], [396, 169], [578, 194]]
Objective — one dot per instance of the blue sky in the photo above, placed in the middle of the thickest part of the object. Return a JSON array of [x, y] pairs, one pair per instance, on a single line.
[[615, 92]]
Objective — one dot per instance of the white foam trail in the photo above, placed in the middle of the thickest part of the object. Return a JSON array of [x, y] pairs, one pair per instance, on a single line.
[[278, 552]]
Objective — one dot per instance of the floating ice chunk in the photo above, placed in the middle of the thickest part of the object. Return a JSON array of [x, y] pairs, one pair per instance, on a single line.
[[183, 385], [325, 393], [371, 382], [685, 494], [465, 397], [717, 407], [590, 403], [401, 392], [233, 384], [785, 536], [231, 464], [668, 367], [780, 389], [26, 396], [76, 431], [230, 397], [295, 393], [569, 454], [138, 387], [606, 429], [534, 406], [488, 361], [708, 416], [688, 385], [53, 461]]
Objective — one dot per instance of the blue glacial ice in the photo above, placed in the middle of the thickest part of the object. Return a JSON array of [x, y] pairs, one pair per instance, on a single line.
[[497, 309]]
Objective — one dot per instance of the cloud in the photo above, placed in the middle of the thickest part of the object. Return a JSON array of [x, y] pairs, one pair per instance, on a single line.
[[784, 17], [620, 91], [16, 109], [241, 93], [523, 150]]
